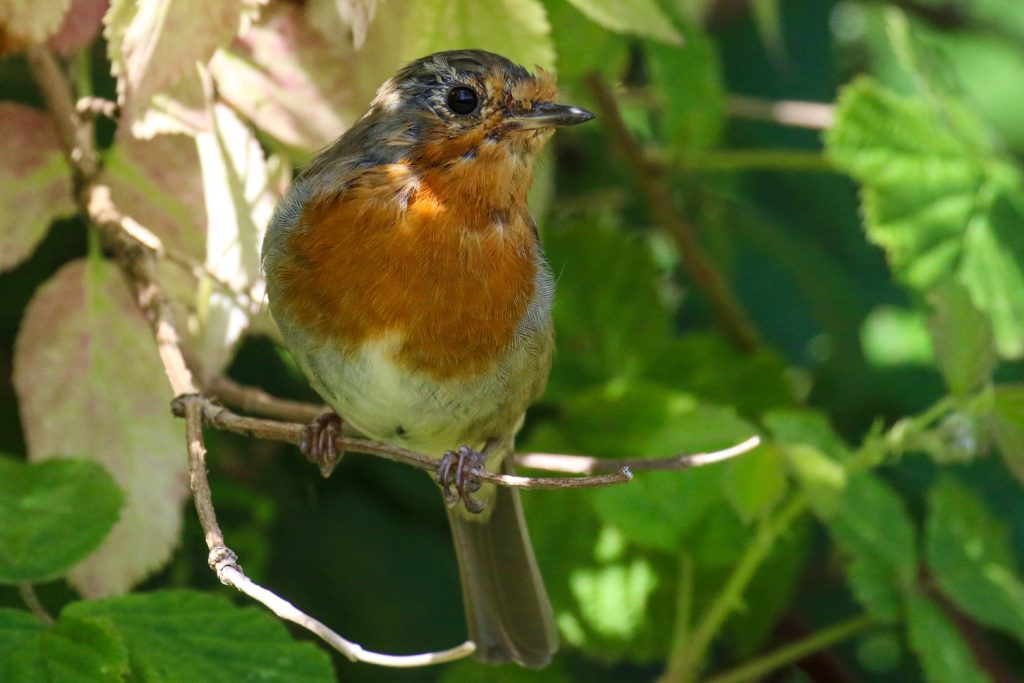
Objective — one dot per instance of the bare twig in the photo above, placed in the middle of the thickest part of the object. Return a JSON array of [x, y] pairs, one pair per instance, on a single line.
[[95, 107], [220, 417], [692, 257], [586, 464], [28, 595], [134, 257], [224, 561], [255, 400], [814, 115]]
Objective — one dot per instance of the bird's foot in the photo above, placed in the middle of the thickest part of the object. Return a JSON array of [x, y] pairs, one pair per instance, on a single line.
[[458, 475], [319, 442]]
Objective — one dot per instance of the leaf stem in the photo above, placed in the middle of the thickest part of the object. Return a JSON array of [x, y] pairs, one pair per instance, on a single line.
[[681, 629], [794, 652], [692, 657]]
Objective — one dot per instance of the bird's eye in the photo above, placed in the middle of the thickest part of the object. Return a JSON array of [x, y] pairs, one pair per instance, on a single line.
[[462, 100]]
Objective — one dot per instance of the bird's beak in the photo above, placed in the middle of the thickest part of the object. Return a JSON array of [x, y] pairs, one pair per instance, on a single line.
[[550, 115]]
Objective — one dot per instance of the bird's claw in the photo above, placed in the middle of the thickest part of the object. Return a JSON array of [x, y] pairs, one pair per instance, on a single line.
[[458, 475], [319, 442]]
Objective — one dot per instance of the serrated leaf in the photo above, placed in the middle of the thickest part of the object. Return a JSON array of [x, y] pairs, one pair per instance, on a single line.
[[25, 22], [970, 555], [822, 479], [55, 513], [637, 17], [79, 651], [873, 528], [240, 190], [937, 197], [184, 636], [1007, 424], [942, 653], [962, 338], [153, 44], [89, 381], [754, 482], [791, 426], [35, 183]]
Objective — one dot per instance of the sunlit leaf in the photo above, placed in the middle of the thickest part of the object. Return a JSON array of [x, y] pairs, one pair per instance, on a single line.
[[153, 44], [35, 186], [938, 198], [240, 190], [89, 382], [893, 336], [55, 513], [25, 22], [613, 598], [638, 17]]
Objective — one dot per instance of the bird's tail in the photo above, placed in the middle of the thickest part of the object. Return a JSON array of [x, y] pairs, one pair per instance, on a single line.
[[507, 608]]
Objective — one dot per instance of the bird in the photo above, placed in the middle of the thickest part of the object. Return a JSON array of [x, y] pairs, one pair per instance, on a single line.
[[405, 273]]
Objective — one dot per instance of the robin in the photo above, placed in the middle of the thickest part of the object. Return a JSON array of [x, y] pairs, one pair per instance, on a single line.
[[404, 270]]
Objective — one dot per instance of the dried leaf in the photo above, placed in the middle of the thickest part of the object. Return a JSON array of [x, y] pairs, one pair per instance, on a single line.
[[35, 185], [90, 383]]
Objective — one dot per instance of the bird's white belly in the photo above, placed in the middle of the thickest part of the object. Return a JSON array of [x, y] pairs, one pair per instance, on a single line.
[[387, 402]]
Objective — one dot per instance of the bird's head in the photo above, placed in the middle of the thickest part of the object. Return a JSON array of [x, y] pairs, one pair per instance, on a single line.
[[460, 106]]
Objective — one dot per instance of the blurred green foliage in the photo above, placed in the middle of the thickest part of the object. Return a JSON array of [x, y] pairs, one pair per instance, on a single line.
[[874, 536]]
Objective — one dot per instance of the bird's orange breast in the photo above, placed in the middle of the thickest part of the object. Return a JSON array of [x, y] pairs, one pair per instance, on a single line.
[[450, 273]]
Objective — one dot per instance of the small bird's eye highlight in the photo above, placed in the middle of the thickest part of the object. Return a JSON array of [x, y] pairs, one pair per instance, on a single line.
[[463, 100]]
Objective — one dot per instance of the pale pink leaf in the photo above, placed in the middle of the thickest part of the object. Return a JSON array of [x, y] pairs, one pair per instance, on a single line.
[[35, 182], [241, 188], [331, 18], [178, 108], [153, 44], [82, 23], [24, 22], [90, 384]]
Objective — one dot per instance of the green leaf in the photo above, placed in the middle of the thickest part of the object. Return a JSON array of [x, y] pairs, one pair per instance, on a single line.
[[806, 427], [754, 482], [54, 514], [72, 651], [1007, 425], [938, 197], [609, 318], [638, 17], [969, 553], [75, 388], [469, 671], [962, 337], [872, 527], [893, 336], [993, 268], [584, 46], [518, 29], [613, 598], [822, 479], [35, 185], [16, 627], [184, 636], [688, 82], [941, 651]]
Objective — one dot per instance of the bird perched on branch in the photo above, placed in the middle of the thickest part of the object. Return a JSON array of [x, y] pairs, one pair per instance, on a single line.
[[404, 271]]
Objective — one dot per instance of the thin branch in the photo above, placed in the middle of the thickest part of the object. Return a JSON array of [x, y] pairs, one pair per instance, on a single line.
[[794, 652], [134, 257], [225, 563], [255, 400], [95, 107], [813, 115], [733, 318], [586, 464], [28, 595], [220, 417]]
